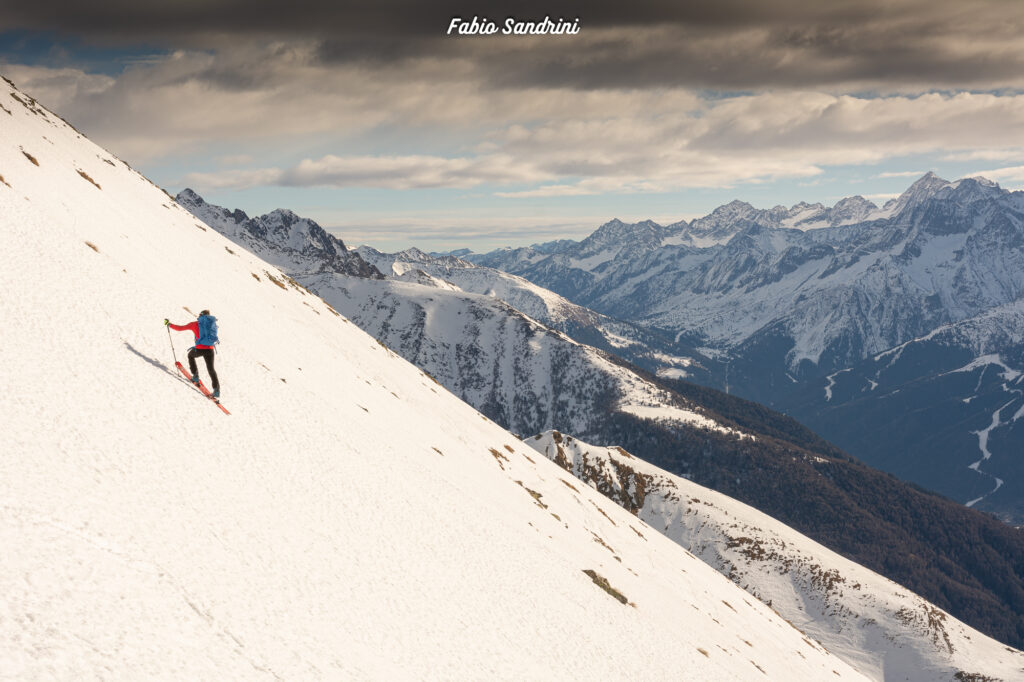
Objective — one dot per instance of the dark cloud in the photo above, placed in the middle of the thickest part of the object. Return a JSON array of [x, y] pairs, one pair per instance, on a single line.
[[129, 19], [718, 44]]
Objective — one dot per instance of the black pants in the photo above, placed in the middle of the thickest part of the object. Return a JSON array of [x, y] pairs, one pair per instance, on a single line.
[[205, 354]]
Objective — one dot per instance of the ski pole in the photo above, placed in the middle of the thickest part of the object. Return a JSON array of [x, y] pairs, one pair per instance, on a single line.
[[171, 341]]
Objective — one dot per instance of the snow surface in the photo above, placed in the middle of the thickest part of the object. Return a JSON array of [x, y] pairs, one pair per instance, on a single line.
[[831, 378], [523, 295], [675, 360], [349, 520], [486, 352], [658, 412], [880, 628], [1008, 373]]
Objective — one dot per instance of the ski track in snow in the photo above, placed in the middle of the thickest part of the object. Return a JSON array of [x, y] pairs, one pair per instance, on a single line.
[[1008, 375], [983, 435], [831, 383]]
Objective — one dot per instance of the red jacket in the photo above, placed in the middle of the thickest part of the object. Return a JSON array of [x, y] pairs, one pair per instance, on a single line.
[[194, 327]]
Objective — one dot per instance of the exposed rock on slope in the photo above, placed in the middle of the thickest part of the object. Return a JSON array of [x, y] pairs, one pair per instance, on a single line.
[[878, 627]]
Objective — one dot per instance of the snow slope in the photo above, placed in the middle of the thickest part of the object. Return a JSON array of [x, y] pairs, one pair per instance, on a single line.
[[526, 297], [883, 630], [639, 346], [501, 361], [350, 519]]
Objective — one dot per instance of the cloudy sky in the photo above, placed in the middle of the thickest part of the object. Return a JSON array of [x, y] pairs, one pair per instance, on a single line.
[[371, 120]]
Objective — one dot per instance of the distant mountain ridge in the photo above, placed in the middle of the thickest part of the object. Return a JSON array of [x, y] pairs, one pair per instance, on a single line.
[[919, 255], [643, 347], [281, 237], [782, 302]]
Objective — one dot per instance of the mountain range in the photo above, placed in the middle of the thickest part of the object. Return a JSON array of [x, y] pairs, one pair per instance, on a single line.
[[805, 309], [530, 378]]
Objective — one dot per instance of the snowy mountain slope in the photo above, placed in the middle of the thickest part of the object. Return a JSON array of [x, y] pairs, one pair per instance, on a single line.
[[349, 519], [524, 296], [881, 629], [643, 347], [506, 364]]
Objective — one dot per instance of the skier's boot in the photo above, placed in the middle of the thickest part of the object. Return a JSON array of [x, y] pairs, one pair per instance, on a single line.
[[215, 394], [195, 379]]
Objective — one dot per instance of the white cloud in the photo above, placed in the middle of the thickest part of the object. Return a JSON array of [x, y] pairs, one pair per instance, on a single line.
[[548, 191], [986, 155], [234, 179], [389, 172], [881, 198], [433, 123], [1009, 174], [900, 174]]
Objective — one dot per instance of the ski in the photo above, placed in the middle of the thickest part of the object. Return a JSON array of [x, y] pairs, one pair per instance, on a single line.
[[202, 388]]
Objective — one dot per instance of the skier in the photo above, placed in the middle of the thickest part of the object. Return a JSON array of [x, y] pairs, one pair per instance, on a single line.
[[205, 329]]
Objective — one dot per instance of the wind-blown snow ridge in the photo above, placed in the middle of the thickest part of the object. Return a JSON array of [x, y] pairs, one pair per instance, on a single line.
[[881, 629], [350, 520]]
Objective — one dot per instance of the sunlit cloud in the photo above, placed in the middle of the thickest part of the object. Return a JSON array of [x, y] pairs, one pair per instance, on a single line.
[[1007, 174], [986, 155], [900, 174]]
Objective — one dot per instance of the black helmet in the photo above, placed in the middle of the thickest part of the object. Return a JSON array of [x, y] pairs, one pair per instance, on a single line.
[[203, 312]]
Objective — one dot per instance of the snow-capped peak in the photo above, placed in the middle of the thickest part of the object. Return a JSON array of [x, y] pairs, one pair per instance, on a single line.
[[280, 236], [189, 195], [923, 188], [851, 210]]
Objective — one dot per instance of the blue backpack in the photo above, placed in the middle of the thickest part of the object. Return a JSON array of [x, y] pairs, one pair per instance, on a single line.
[[207, 331]]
